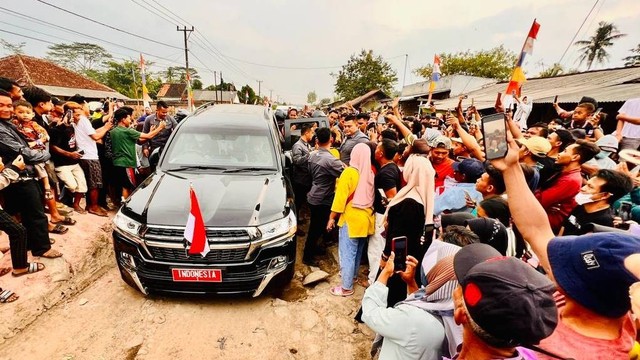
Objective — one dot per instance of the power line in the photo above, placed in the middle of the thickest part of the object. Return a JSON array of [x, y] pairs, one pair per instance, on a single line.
[[577, 32], [107, 25]]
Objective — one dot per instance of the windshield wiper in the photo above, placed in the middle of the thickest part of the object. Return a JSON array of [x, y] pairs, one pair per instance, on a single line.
[[247, 169], [198, 167]]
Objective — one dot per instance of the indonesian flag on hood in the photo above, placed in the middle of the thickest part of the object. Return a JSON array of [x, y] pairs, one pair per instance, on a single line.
[[195, 233]]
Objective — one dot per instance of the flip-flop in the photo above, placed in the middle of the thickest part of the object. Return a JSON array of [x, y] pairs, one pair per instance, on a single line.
[[7, 296], [51, 254], [339, 291], [59, 229], [66, 221], [5, 271], [33, 268], [103, 214]]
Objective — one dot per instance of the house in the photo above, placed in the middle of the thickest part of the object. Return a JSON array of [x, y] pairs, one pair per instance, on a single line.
[[610, 87], [371, 100], [450, 86], [58, 81], [176, 94], [172, 93]]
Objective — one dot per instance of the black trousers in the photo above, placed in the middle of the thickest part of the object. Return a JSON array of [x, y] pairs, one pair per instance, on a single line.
[[25, 198], [300, 193], [317, 227], [17, 239]]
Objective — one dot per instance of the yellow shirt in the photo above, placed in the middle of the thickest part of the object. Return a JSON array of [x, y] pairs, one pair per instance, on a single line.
[[335, 153], [360, 221]]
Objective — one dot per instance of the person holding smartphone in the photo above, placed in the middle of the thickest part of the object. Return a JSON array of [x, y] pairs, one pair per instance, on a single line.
[[406, 215]]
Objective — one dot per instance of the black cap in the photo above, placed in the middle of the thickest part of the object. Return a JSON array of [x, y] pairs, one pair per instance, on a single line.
[[590, 100], [505, 297]]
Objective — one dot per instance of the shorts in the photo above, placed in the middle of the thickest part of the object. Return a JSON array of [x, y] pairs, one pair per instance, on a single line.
[[72, 177], [92, 172], [124, 177]]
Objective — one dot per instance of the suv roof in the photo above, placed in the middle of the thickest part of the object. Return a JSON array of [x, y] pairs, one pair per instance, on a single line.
[[234, 115]]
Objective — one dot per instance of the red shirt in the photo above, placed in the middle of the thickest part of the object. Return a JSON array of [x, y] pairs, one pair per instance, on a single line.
[[558, 200], [444, 169]]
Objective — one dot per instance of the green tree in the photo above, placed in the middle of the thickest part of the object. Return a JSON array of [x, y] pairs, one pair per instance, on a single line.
[[222, 86], [325, 101], [196, 84], [363, 73], [595, 48], [79, 57], [120, 77], [555, 70], [12, 48], [496, 63], [312, 97], [634, 59], [179, 74], [252, 97]]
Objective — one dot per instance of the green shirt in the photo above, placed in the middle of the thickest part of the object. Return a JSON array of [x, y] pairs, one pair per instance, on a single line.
[[123, 142]]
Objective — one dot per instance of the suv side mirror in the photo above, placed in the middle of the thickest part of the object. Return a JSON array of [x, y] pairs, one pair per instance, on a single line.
[[154, 158]]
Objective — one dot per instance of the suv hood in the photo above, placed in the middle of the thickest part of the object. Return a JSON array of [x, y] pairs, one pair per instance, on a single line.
[[224, 199]]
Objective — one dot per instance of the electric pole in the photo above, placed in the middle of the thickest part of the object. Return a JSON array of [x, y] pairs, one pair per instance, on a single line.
[[215, 83], [406, 59], [186, 60], [259, 84], [270, 95]]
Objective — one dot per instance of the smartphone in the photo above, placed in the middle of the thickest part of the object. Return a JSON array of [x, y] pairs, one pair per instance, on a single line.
[[399, 247], [596, 113], [81, 152], [494, 135], [555, 99], [625, 210]]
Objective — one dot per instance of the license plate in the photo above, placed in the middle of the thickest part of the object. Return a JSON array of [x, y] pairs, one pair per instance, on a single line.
[[197, 275]]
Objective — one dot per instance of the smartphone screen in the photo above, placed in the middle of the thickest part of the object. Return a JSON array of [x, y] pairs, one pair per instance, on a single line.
[[595, 114], [555, 99], [494, 134], [399, 247], [625, 211], [382, 194]]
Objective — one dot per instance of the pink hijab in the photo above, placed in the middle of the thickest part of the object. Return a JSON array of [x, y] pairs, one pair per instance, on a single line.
[[361, 161], [419, 175]]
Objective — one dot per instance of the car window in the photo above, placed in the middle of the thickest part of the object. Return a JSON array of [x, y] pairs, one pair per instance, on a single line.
[[220, 147]]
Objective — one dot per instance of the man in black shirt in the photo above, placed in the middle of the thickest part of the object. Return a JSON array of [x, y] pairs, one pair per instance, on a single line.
[[387, 181], [595, 199]]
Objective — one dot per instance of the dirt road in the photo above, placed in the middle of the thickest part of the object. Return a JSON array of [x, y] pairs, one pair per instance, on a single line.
[[109, 320]]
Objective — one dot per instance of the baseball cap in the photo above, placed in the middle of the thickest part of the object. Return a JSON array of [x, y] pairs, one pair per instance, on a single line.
[[591, 270], [608, 143], [441, 141], [471, 168], [505, 297], [587, 99], [537, 145]]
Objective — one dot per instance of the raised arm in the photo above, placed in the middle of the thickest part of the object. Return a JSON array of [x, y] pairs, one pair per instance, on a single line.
[[468, 140]]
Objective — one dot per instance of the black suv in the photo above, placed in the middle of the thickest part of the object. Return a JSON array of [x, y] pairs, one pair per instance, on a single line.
[[232, 157]]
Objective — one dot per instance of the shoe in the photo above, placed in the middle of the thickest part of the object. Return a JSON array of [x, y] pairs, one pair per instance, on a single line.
[[339, 291]]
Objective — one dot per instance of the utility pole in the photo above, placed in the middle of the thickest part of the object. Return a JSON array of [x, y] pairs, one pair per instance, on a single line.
[[259, 84], [186, 60], [221, 82], [406, 59], [270, 95], [215, 83]]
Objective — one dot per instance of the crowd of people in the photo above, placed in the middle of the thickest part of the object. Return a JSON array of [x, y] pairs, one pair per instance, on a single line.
[[529, 255], [61, 158]]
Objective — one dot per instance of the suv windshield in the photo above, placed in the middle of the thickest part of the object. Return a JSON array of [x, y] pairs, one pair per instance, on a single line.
[[220, 147]]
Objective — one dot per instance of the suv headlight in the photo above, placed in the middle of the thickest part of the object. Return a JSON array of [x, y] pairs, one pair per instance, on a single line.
[[279, 228], [127, 226]]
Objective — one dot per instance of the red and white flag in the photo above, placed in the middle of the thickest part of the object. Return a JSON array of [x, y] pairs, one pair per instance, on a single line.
[[195, 232]]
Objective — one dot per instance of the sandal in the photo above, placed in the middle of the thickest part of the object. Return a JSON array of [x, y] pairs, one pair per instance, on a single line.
[[52, 241], [5, 271], [339, 291], [59, 229], [7, 296], [66, 221], [33, 268], [4, 249], [99, 213], [51, 254]]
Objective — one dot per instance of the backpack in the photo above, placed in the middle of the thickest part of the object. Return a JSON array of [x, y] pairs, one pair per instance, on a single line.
[[108, 146]]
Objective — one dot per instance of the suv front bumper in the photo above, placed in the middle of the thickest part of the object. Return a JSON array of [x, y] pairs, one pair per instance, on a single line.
[[139, 269]]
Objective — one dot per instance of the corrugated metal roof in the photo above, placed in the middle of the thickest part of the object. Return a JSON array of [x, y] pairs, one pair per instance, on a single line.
[[617, 84], [93, 94]]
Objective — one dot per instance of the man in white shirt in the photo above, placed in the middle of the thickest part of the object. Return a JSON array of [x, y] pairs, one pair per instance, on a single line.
[[628, 129], [522, 112], [86, 137]]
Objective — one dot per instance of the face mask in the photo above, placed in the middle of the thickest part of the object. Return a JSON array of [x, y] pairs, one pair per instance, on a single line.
[[603, 154], [583, 198]]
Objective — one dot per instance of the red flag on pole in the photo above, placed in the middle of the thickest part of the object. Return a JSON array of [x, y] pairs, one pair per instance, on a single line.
[[195, 232]]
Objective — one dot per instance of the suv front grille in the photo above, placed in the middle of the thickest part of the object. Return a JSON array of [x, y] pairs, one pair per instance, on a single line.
[[214, 256], [217, 234]]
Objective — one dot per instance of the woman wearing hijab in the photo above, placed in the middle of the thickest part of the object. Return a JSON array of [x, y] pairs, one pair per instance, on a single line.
[[492, 232], [353, 204], [417, 327], [407, 214]]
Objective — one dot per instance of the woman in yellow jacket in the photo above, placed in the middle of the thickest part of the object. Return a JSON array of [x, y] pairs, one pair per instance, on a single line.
[[353, 204]]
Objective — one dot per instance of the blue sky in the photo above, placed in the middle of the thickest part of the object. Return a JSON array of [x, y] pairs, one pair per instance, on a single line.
[[314, 38]]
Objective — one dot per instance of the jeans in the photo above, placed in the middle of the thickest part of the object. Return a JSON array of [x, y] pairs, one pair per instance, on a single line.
[[376, 247], [349, 253], [25, 198], [317, 227]]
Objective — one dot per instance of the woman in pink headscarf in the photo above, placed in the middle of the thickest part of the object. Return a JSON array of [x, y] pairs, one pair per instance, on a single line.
[[407, 214], [353, 204]]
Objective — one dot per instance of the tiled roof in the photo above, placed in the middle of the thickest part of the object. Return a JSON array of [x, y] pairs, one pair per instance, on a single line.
[[170, 90], [28, 71]]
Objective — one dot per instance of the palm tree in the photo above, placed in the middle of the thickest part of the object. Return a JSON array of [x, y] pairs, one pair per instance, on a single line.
[[633, 59], [594, 49]]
